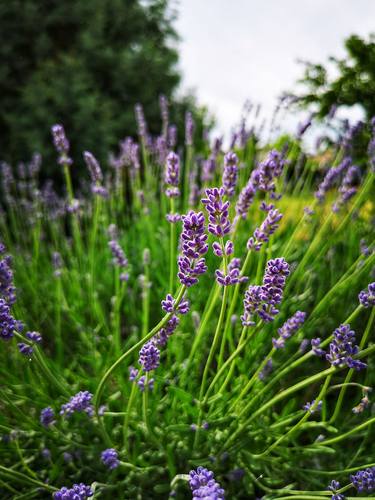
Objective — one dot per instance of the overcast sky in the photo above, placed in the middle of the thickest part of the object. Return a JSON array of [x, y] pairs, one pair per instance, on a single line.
[[232, 50]]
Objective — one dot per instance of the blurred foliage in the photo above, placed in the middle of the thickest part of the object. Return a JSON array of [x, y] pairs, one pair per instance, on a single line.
[[354, 83], [85, 64]]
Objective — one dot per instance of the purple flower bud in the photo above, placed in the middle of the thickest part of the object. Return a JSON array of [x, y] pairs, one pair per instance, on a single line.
[[80, 402], [25, 349], [77, 492], [309, 406], [230, 173], [47, 416], [218, 214], [34, 337], [110, 459], [367, 297], [203, 485], [149, 357], [93, 167]]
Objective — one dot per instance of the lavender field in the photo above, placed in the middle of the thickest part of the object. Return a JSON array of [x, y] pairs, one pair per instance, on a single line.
[[189, 322]]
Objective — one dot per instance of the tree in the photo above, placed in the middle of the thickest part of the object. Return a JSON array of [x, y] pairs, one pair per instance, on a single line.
[[355, 83], [84, 64]]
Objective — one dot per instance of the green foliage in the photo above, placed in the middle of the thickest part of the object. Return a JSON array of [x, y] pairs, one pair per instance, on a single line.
[[84, 64], [354, 83]]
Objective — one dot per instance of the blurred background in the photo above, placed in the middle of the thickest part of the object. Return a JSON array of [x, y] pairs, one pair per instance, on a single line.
[[86, 64]]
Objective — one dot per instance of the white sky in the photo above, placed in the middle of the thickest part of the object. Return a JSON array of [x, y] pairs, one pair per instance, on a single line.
[[232, 50]]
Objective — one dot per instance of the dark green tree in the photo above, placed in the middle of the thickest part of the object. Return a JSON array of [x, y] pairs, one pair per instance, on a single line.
[[85, 64], [354, 83]]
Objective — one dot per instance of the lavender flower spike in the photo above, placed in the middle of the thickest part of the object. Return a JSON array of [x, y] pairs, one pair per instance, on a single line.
[[47, 416], [80, 402], [230, 173], [343, 348], [61, 144], [203, 485], [364, 480], [218, 215], [110, 459], [289, 328], [93, 167], [76, 492], [262, 233], [367, 297], [149, 357], [172, 174]]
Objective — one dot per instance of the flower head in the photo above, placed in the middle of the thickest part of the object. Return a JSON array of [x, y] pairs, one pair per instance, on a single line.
[[149, 356], [367, 297], [217, 209], [289, 328], [76, 492], [110, 459], [47, 416], [261, 234], [230, 173], [203, 485], [343, 348], [364, 480], [80, 402]]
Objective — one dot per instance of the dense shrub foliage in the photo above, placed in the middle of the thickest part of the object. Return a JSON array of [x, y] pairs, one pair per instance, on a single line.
[[188, 323]]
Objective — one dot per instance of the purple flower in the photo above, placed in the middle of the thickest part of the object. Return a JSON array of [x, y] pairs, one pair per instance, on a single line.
[[93, 167], [289, 328], [110, 459], [149, 357], [142, 383], [347, 190], [330, 178], [315, 346], [133, 373], [364, 480], [80, 402], [118, 254], [7, 288], [189, 129], [367, 297], [227, 279], [334, 486], [262, 299], [7, 323], [203, 485], [309, 406], [161, 338], [172, 136], [61, 144], [263, 177], [262, 233], [141, 122], [218, 215], [47, 416], [343, 348], [191, 264], [34, 337], [76, 492], [173, 218], [230, 173], [172, 170], [168, 305], [364, 403], [25, 349]]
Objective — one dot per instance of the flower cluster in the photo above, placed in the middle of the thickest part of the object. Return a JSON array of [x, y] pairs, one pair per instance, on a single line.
[[119, 258], [263, 177], [347, 189], [47, 416], [7, 322], [367, 297], [141, 121], [161, 338], [191, 262], [141, 382], [218, 212], [189, 129], [80, 402], [330, 178], [96, 174], [168, 305], [172, 175], [364, 480], [61, 144], [288, 329], [149, 356], [203, 485], [245, 199], [76, 492], [262, 299], [310, 406], [261, 234], [334, 486], [7, 288], [343, 348], [230, 173], [110, 459]]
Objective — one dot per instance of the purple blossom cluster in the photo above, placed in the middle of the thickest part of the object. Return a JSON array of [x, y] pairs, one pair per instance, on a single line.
[[61, 144], [119, 259], [331, 177], [348, 188], [288, 329], [262, 299], [218, 212], [364, 480], [263, 177], [96, 175], [142, 382], [191, 262], [245, 199], [230, 173], [334, 486], [110, 459], [141, 121], [341, 349], [80, 402], [76, 492], [7, 322], [149, 356], [168, 305], [310, 406], [7, 288], [204, 486], [367, 297], [161, 338], [189, 129], [268, 227], [47, 416], [172, 175]]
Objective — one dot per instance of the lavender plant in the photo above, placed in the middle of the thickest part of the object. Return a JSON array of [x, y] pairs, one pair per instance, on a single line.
[[189, 324]]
